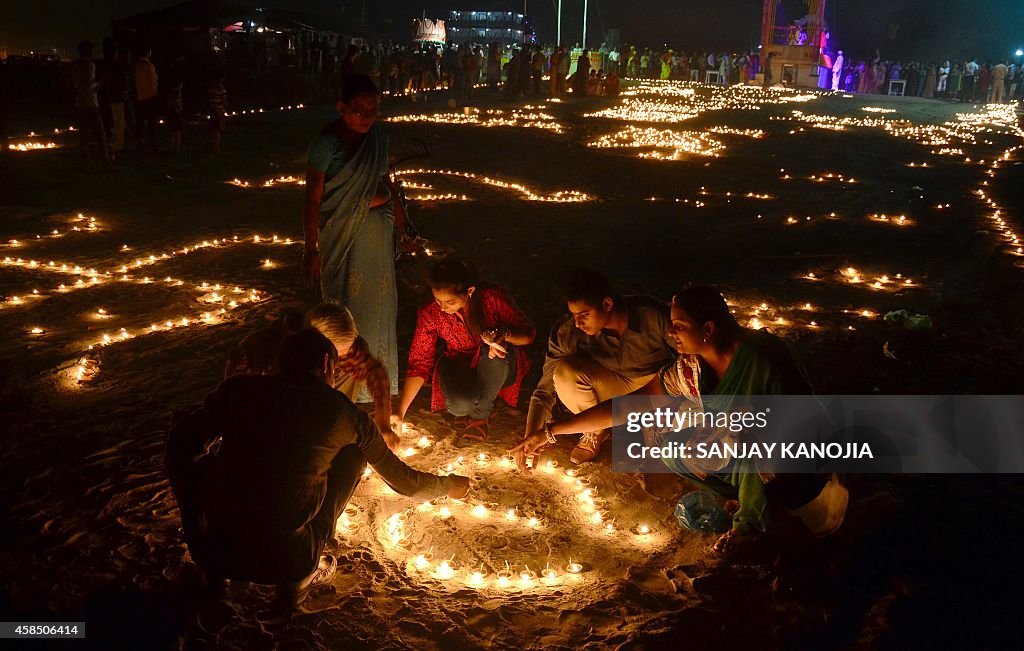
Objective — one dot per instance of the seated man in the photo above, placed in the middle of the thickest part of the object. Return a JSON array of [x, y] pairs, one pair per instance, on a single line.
[[610, 346], [262, 506]]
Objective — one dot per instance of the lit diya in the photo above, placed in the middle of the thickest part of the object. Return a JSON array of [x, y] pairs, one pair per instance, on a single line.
[[505, 576], [527, 576], [573, 567], [345, 524], [476, 578], [549, 573], [421, 561], [445, 570]]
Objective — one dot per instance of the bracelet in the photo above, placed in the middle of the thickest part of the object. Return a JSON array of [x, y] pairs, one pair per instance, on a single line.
[[548, 434]]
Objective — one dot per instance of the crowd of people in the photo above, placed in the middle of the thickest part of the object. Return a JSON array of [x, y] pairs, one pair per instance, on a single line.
[[512, 71], [263, 470], [121, 95], [964, 81]]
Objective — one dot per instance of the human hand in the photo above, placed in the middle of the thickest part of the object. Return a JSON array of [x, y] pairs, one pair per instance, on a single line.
[[531, 446], [357, 355], [495, 340], [459, 487], [310, 266], [397, 422], [392, 440], [411, 244]]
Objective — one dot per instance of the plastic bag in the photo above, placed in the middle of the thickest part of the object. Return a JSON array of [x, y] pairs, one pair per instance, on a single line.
[[699, 511], [915, 323]]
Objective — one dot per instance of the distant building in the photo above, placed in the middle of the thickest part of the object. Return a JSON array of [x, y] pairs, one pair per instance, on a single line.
[[505, 27]]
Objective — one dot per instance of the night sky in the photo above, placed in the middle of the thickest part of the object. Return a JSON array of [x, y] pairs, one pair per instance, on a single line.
[[929, 29]]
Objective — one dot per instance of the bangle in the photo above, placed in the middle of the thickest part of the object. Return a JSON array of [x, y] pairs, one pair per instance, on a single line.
[[548, 434]]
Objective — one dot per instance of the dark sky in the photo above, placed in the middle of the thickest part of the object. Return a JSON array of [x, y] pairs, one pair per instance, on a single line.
[[924, 28]]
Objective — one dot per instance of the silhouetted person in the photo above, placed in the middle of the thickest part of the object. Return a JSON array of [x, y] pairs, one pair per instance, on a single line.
[[264, 469], [87, 105], [113, 94], [147, 102]]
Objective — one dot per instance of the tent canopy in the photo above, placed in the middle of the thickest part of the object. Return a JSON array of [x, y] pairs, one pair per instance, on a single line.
[[192, 14], [206, 14]]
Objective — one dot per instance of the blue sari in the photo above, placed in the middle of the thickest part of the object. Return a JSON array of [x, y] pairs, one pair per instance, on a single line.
[[357, 251]]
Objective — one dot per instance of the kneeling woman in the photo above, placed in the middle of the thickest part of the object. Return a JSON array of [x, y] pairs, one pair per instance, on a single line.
[[721, 362], [483, 331]]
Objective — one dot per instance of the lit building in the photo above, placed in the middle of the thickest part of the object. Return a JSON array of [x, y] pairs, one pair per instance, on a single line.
[[505, 27]]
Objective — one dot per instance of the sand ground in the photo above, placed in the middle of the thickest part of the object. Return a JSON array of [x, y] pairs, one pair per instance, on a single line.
[[921, 562]]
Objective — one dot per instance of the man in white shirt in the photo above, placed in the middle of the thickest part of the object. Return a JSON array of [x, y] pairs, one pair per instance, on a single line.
[[970, 74], [837, 71]]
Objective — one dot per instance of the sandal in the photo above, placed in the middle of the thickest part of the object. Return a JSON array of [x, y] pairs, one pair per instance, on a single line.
[[459, 422], [476, 430]]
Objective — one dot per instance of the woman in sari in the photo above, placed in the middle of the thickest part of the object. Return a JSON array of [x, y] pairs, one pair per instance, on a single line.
[[881, 79], [929, 82], [954, 83], [350, 218], [720, 363], [484, 333]]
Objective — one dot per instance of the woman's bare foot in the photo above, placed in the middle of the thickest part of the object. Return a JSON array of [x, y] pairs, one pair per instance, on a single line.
[[734, 544]]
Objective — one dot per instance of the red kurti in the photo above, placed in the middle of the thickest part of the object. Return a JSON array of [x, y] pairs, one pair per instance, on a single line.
[[499, 311]]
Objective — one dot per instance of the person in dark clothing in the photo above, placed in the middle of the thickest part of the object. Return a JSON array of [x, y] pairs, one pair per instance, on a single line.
[[348, 65], [112, 74], [263, 470]]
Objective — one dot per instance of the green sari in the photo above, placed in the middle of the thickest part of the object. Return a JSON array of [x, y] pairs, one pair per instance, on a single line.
[[762, 365], [357, 263]]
